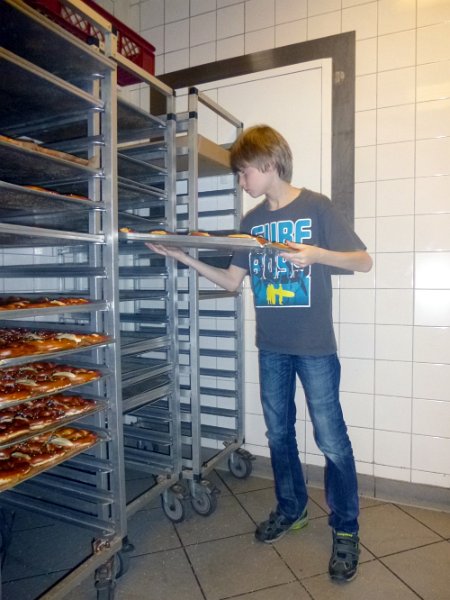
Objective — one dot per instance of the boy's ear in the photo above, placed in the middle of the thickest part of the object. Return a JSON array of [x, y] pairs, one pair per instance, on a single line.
[[269, 166]]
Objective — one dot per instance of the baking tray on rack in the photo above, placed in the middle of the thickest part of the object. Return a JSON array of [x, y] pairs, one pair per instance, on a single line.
[[33, 311], [199, 241], [63, 389], [20, 199], [50, 427], [69, 453], [20, 360]]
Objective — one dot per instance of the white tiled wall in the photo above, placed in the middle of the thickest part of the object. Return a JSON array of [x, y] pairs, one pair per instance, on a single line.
[[394, 323]]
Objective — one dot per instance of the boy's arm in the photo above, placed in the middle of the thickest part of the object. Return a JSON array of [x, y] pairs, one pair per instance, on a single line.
[[304, 255], [230, 279]]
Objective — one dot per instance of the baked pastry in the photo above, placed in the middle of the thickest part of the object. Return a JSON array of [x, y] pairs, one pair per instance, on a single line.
[[22, 342], [45, 450], [31, 380], [16, 302], [30, 417]]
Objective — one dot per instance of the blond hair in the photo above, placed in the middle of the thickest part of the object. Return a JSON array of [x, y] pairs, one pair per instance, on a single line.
[[262, 146]]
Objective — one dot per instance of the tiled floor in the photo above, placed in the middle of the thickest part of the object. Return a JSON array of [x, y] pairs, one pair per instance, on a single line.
[[405, 553]]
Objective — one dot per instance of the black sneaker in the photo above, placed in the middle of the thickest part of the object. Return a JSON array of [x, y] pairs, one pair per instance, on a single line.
[[345, 556], [277, 526]]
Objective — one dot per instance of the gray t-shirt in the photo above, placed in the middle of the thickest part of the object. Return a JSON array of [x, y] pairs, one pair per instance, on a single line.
[[293, 305]]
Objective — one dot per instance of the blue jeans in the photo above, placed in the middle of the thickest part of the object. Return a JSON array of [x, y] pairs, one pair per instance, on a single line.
[[320, 377]]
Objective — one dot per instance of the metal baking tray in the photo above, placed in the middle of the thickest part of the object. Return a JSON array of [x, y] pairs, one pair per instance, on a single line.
[[48, 45], [97, 407], [50, 310], [135, 342], [197, 241], [8, 403], [29, 166], [50, 97], [20, 360], [40, 469], [135, 123], [25, 200], [21, 236], [49, 270]]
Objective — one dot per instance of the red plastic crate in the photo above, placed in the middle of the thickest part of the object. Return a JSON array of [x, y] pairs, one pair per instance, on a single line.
[[129, 44]]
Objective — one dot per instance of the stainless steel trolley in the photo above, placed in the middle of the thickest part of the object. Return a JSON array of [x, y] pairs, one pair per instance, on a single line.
[[148, 300], [211, 320], [58, 237]]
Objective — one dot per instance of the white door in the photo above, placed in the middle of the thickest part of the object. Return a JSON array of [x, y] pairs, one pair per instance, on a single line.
[[295, 100]]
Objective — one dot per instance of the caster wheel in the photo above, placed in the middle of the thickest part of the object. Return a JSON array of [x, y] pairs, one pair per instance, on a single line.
[[240, 465], [204, 503], [106, 593], [174, 506], [122, 564]]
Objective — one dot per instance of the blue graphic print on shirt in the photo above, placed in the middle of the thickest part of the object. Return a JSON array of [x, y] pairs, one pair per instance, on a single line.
[[276, 281]]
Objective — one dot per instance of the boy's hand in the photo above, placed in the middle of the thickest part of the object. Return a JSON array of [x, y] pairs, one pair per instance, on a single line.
[[170, 251], [302, 255]]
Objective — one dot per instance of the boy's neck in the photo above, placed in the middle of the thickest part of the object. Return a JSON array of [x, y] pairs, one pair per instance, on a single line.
[[283, 195]]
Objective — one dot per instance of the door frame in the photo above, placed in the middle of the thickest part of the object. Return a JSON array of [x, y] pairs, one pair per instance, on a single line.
[[341, 49]]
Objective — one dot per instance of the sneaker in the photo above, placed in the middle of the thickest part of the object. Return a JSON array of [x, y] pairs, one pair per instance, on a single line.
[[277, 526], [345, 555]]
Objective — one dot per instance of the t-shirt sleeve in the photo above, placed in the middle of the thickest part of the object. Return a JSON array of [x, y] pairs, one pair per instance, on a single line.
[[240, 258], [337, 232]]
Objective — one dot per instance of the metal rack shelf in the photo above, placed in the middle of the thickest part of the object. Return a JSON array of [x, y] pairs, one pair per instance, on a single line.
[[17, 199], [50, 95], [33, 163], [49, 47]]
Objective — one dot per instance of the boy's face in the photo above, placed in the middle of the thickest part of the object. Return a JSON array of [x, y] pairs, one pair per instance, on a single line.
[[255, 182]]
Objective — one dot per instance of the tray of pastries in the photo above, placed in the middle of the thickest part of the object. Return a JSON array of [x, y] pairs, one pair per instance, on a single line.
[[29, 458], [202, 239], [20, 341], [25, 382]]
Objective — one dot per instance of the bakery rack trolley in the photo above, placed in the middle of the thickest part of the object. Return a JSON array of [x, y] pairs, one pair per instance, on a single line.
[[58, 238], [148, 300], [211, 319]]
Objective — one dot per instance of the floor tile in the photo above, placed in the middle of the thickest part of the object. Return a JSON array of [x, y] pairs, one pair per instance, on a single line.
[[318, 495], [261, 502], [426, 570], [226, 568], [220, 558], [436, 520], [229, 519], [386, 529], [31, 553], [238, 486], [218, 482], [24, 519], [307, 551], [258, 503], [365, 502], [373, 582], [151, 531], [290, 591], [85, 591], [32, 587], [160, 576], [137, 484]]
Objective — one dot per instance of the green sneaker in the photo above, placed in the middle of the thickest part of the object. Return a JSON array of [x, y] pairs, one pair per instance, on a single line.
[[277, 526], [344, 559]]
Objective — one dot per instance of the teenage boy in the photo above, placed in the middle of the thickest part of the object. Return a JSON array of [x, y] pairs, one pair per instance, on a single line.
[[294, 333]]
